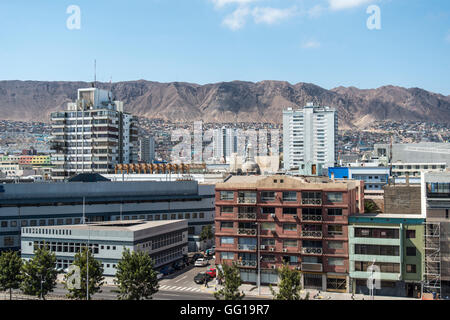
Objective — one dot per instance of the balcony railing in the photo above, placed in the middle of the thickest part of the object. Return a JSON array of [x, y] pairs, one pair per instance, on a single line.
[[246, 200], [247, 231], [248, 215], [249, 247], [313, 267], [246, 263], [312, 234], [312, 250], [309, 217]]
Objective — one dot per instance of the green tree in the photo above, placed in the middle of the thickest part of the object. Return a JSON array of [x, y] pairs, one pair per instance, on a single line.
[[135, 276], [289, 285], [369, 206], [95, 276], [10, 264], [206, 233], [232, 281], [39, 274]]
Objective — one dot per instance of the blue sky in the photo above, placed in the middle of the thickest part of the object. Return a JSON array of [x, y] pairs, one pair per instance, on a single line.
[[325, 42]]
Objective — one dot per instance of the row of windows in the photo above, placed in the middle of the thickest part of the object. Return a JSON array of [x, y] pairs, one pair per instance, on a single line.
[[382, 233], [333, 230], [287, 243], [286, 195], [69, 221], [167, 255], [293, 211], [290, 259], [70, 247]]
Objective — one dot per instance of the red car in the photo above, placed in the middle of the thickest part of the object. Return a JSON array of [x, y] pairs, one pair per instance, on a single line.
[[211, 272]]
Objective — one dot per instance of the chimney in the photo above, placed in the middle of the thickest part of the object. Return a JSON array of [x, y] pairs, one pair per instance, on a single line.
[[407, 179], [332, 176]]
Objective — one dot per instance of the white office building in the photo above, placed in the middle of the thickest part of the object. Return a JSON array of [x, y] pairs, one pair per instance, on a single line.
[[165, 241], [92, 135], [309, 136]]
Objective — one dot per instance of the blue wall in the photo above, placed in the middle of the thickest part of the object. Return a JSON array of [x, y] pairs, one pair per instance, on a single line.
[[339, 172]]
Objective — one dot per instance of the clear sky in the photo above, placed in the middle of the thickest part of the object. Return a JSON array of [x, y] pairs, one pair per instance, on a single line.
[[326, 42]]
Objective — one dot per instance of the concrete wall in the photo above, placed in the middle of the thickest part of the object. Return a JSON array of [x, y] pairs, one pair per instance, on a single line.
[[402, 199]]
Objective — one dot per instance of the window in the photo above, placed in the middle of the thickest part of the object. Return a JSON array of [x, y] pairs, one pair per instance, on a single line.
[[289, 196], [180, 216], [226, 225], [268, 241], [158, 217], [384, 266], [289, 210], [268, 210], [4, 224], [411, 268], [377, 250], [410, 234], [289, 243], [376, 233], [335, 212], [334, 196], [268, 226], [335, 261], [289, 227], [335, 230], [8, 241], [267, 196], [268, 258], [191, 230], [227, 255], [202, 215], [411, 251], [226, 195], [187, 216], [226, 209], [227, 240], [60, 221], [68, 221], [173, 216], [13, 224], [335, 245]]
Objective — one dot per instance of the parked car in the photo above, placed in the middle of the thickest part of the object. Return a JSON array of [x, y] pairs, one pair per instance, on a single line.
[[201, 277], [195, 257], [211, 272], [201, 262], [178, 265], [167, 270], [159, 275]]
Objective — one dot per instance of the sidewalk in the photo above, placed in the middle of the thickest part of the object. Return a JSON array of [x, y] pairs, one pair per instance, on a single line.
[[264, 292]]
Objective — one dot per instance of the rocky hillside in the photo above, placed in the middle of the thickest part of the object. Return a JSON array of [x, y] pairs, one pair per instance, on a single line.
[[235, 101]]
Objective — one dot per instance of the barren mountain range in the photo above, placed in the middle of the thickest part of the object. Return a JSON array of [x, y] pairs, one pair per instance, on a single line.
[[236, 101]]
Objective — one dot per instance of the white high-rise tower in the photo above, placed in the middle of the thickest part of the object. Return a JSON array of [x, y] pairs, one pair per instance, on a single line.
[[309, 136]]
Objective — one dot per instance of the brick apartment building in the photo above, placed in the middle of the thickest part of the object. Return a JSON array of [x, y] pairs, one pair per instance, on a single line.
[[299, 220]]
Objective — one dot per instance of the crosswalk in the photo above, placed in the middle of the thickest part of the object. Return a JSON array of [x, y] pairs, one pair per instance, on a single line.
[[177, 288]]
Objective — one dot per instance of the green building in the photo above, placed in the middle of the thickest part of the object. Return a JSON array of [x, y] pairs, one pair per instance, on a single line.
[[394, 245]]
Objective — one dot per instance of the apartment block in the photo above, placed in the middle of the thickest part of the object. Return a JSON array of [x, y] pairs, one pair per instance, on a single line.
[[394, 244], [309, 136], [266, 221], [93, 135]]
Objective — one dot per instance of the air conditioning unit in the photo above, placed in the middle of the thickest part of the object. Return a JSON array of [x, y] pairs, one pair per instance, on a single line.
[[298, 268], [253, 232], [312, 201], [319, 218], [318, 201], [284, 250], [274, 267], [319, 250], [294, 216], [272, 215], [313, 251], [308, 250], [262, 247], [272, 249], [304, 201]]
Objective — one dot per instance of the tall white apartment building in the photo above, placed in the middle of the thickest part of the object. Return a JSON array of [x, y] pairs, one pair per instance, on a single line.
[[92, 135], [309, 136], [224, 143]]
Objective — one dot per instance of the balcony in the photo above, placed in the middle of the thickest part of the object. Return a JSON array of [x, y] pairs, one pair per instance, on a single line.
[[311, 250], [246, 263], [248, 247], [247, 200], [315, 202], [247, 231], [312, 267], [247, 216], [311, 218], [312, 234]]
